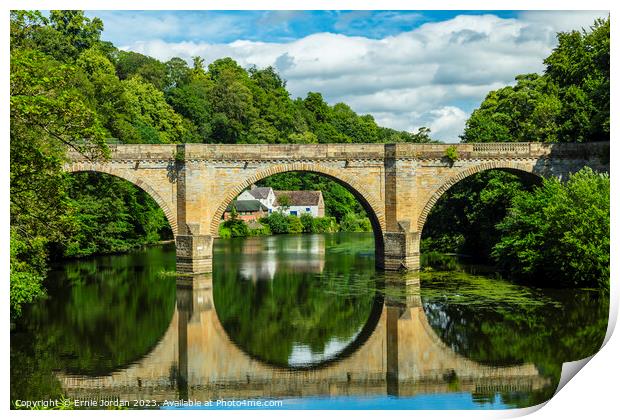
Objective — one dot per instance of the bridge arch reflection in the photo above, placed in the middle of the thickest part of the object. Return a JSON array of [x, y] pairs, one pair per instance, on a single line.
[[402, 356]]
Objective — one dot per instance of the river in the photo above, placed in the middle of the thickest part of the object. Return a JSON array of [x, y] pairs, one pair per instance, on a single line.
[[300, 322]]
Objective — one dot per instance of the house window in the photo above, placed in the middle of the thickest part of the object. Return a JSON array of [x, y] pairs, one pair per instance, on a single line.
[[308, 209], [294, 212]]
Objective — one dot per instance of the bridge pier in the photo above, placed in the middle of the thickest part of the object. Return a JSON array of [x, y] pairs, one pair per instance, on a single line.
[[401, 251], [194, 254]]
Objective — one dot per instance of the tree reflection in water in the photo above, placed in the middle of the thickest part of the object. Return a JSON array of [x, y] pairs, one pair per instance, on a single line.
[[275, 302], [300, 302]]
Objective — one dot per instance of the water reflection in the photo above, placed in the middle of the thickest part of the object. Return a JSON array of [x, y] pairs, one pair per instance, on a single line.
[[297, 319], [331, 327], [401, 357], [259, 258]]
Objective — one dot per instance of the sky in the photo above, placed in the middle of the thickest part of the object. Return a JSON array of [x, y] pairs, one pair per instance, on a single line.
[[407, 69]]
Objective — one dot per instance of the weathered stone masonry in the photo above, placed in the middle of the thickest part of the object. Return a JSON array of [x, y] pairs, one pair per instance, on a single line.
[[397, 184]]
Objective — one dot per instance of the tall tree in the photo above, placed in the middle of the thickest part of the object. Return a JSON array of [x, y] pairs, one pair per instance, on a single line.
[[49, 114], [579, 66], [568, 103]]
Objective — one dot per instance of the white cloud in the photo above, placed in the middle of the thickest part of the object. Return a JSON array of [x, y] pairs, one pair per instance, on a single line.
[[448, 122], [431, 76], [562, 20]]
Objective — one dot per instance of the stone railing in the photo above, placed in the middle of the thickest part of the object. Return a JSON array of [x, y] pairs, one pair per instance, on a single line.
[[309, 152], [502, 147]]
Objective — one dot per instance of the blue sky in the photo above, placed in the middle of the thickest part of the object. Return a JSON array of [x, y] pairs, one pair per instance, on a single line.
[[279, 26], [406, 68]]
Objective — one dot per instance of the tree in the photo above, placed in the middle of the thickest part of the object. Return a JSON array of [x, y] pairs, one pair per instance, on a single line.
[[563, 223], [526, 112], [105, 92], [568, 103], [63, 36], [353, 223], [48, 115], [579, 65], [284, 202], [464, 219], [109, 214], [294, 224], [317, 107], [79, 31], [177, 72], [130, 64], [148, 113], [277, 222], [191, 98], [307, 137], [307, 222], [23, 27], [232, 102]]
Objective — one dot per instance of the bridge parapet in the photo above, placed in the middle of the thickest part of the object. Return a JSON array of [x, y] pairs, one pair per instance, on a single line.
[[357, 151], [132, 152]]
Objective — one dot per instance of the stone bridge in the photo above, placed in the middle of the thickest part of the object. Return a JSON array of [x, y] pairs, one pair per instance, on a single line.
[[401, 356], [397, 184]]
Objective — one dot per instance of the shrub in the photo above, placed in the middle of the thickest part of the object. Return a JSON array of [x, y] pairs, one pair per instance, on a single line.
[[451, 154], [277, 222], [324, 225], [559, 232], [224, 232], [294, 224], [307, 222], [353, 223], [261, 230], [238, 228]]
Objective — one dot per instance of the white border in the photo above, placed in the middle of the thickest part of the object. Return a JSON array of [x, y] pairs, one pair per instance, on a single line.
[[593, 393]]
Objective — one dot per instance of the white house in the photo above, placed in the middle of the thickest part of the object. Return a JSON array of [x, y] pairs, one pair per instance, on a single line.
[[296, 202], [300, 202], [263, 194]]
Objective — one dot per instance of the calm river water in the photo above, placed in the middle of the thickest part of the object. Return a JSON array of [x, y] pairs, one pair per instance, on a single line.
[[297, 321]]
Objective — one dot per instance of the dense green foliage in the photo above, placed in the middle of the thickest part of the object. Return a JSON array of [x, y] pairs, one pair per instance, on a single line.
[[463, 220], [111, 215], [281, 223], [49, 112], [319, 224], [567, 223]]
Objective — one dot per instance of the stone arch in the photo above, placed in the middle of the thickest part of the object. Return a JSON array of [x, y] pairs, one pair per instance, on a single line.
[[135, 180], [370, 203], [519, 166]]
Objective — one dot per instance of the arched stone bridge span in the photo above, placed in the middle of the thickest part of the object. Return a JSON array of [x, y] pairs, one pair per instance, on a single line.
[[397, 184]]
